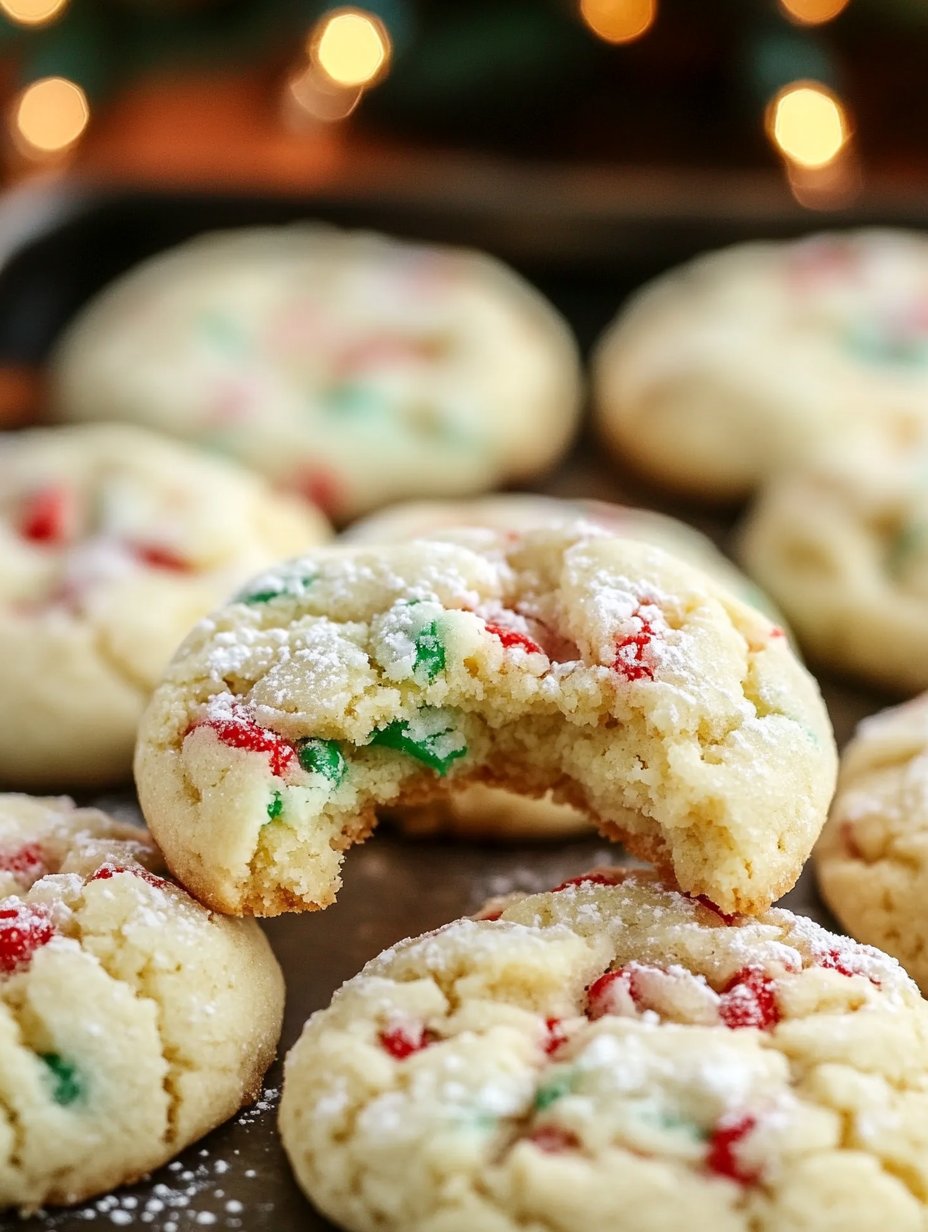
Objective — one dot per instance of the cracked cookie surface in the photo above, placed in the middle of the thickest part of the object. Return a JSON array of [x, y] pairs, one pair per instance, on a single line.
[[872, 858], [349, 367], [609, 1056], [113, 543], [132, 1019], [734, 366], [562, 660], [487, 812]]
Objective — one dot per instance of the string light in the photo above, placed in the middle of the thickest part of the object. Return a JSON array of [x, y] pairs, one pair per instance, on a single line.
[[49, 116], [812, 12], [310, 95], [32, 12], [619, 21], [351, 46], [808, 124]]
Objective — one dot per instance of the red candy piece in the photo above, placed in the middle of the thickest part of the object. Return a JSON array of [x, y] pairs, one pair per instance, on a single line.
[[849, 842], [509, 637], [242, 732], [108, 870], [48, 515], [590, 879], [401, 1042], [556, 1035], [749, 1000], [27, 861], [632, 651], [710, 905], [321, 488], [553, 1140], [159, 557], [383, 349], [23, 930], [599, 998], [723, 1157], [491, 915]]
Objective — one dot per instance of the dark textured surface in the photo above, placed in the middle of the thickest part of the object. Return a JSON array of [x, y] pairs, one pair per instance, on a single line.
[[238, 1176]]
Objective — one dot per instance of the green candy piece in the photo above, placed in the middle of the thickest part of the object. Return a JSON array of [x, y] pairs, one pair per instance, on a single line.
[[275, 807], [430, 652], [560, 1086], [436, 748], [292, 588], [222, 332], [349, 399], [68, 1087], [876, 343], [910, 540], [322, 757]]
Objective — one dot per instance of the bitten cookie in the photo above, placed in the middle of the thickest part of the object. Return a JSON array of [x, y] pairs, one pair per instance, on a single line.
[[564, 660], [349, 367], [735, 365], [616, 1058], [486, 812], [132, 1019], [841, 542], [113, 543], [872, 858]]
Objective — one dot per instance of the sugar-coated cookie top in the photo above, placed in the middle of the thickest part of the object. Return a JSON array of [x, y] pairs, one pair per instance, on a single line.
[[564, 658], [131, 1018], [610, 1055], [352, 368], [531, 511]]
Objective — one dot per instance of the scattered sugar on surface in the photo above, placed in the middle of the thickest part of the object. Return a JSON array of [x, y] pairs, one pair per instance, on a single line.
[[194, 1195]]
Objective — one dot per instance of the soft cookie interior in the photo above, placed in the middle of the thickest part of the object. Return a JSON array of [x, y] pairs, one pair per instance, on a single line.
[[567, 660]]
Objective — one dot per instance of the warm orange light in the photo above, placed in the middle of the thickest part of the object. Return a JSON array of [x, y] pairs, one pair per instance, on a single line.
[[813, 12], [49, 116], [808, 123], [32, 12], [619, 21], [351, 46]]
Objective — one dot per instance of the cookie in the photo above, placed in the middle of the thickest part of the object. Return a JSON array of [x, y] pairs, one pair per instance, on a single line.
[[872, 858], [608, 1057], [841, 542], [486, 812], [351, 368], [113, 543], [132, 1019], [562, 660], [734, 366]]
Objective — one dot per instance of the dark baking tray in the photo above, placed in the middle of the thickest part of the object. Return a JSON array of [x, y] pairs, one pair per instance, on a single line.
[[238, 1177]]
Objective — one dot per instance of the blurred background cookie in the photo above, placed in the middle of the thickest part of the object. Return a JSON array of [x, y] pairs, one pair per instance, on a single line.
[[349, 367], [872, 858], [736, 365], [113, 542], [487, 812], [841, 543], [132, 1020]]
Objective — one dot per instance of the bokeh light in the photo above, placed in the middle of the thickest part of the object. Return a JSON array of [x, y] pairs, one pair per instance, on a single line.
[[311, 96], [619, 21], [812, 12], [32, 12], [351, 46], [49, 116], [808, 123]]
